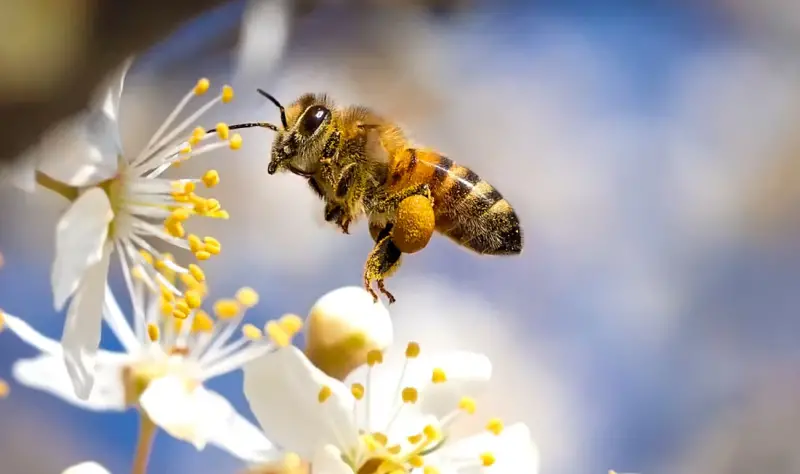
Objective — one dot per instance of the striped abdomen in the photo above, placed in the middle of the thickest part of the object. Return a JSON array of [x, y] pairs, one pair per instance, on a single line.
[[468, 209]]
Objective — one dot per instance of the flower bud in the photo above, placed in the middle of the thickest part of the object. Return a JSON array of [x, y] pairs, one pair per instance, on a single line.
[[342, 327]]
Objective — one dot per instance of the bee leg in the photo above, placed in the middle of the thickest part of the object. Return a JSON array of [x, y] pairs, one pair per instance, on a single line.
[[335, 213], [394, 200], [382, 262]]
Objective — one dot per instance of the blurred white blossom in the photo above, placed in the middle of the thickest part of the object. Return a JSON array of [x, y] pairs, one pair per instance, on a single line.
[[87, 467]]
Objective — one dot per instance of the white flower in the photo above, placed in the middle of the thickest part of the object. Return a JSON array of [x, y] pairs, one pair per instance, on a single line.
[[118, 203], [88, 467], [383, 418], [165, 363]]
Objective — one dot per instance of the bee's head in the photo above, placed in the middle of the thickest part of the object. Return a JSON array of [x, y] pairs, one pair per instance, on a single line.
[[298, 145]]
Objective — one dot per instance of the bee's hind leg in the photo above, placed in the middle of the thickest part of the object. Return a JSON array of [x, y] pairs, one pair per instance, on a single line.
[[382, 262]]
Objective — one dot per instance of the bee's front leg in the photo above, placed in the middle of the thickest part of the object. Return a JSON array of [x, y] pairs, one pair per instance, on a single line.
[[337, 214]]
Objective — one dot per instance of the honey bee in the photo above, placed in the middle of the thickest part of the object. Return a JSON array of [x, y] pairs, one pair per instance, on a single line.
[[359, 163]]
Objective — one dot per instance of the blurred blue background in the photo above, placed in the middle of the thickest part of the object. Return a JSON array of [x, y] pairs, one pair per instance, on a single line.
[[650, 148]]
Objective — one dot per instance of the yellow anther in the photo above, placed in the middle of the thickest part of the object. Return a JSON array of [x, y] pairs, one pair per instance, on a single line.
[[190, 282], [291, 461], [193, 299], [380, 438], [438, 376], [227, 93], [416, 461], [179, 214], [202, 255], [247, 297], [188, 187], [277, 335], [166, 294], [431, 432], [202, 322], [146, 256], [410, 395], [4, 389], [227, 308], [495, 426], [221, 214], [374, 357], [202, 86], [251, 332], [197, 134], [195, 244], [395, 450], [467, 405], [235, 142], [211, 178], [223, 131], [291, 323], [175, 229], [213, 250], [153, 332], [196, 272], [357, 390], [178, 314], [430, 470], [415, 439], [182, 306], [166, 308], [324, 393], [487, 459], [412, 350], [186, 149]]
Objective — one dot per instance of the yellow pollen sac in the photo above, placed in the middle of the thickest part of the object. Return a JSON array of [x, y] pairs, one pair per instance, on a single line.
[[211, 178], [324, 393], [195, 244], [193, 299], [197, 134], [227, 309], [211, 241], [381, 438], [430, 470], [190, 282], [467, 405], [146, 256], [415, 439], [251, 332], [495, 426], [178, 314], [166, 293], [202, 255], [374, 357], [416, 461], [175, 229], [197, 272], [410, 395], [202, 322], [223, 131], [152, 332], [431, 432], [202, 86], [188, 187], [166, 308], [4, 389], [247, 297], [291, 323], [487, 459], [182, 306], [438, 376], [180, 214], [235, 142], [227, 93], [357, 390], [395, 449], [186, 149], [277, 335], [412, 350]]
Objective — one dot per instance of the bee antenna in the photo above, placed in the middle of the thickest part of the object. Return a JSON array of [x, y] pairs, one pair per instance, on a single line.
[[277, 104]]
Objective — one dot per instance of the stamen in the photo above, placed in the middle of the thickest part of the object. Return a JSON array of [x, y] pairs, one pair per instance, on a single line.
[[193, 298], [223, 131], [487, 459], [357, 390], [277, 335], [412, 350], [197, 272], [467, 405], [227, 93], [410, 395], [202, 86], [324, 393], [374, 357], [291, 323], [202, 322], [438, 376], [251, 332], [226, 309], [211, 178], [235, 141], [416, 461], [415, 439], [430, 470], [202, 255], [247, 297], [495, 425], [153, 332]]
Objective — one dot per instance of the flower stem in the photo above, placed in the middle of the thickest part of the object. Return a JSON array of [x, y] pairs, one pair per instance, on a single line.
[[69, 192], [144, 445]]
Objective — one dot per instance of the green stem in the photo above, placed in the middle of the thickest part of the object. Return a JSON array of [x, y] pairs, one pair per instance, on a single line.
[[144, 445], [69, 192]]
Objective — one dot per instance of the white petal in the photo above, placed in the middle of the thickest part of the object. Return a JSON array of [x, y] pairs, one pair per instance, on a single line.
[[31, 336], [81, 336], [282, 389], [80, 237], [328, 460], [514, 451], [88, 467], [48, 373], [116, 320], [111, 91], [21, 174]]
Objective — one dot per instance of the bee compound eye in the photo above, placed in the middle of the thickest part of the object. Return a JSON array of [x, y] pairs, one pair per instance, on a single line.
[[313, 118]]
